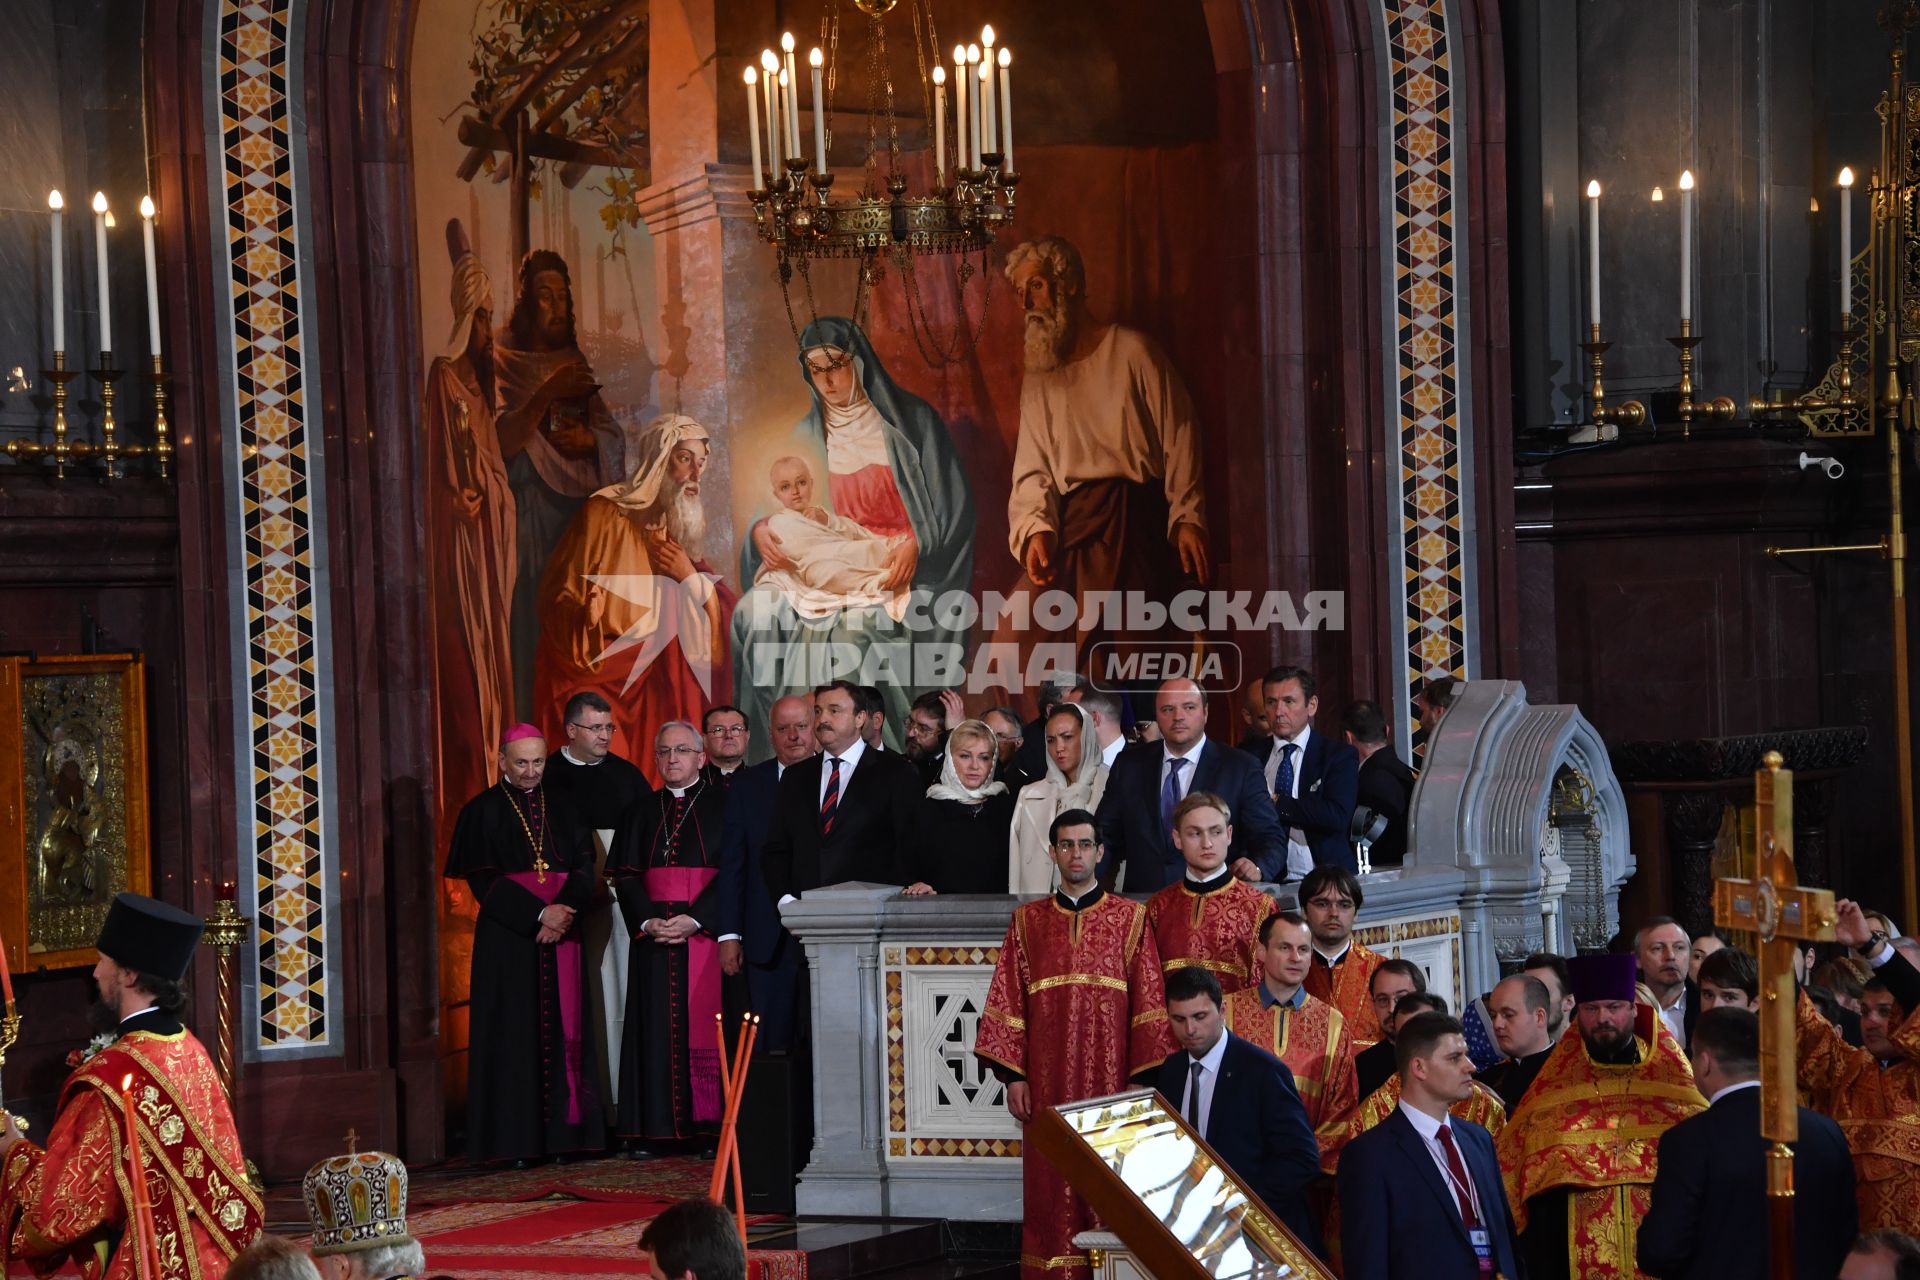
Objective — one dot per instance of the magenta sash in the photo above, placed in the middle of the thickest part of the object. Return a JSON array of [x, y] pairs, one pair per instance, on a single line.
[[572, 994], [673, 890]]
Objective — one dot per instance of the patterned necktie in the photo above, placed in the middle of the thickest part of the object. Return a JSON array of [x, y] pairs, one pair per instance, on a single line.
[[1170, 795], [1459, 1171], [1283, 776], [830, 801]]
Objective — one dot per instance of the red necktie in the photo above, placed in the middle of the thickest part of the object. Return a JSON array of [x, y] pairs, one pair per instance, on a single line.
[[830, 801], [1459, 1171]]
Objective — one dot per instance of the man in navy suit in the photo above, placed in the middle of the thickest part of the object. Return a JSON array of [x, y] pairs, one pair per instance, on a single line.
[[1148, 780], [746, 921], [1313, 777], [1710, 1191], [1420, 1193], [1242, 1102]]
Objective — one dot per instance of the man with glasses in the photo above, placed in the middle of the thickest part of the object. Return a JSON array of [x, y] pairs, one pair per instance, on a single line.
[[1342, 972], [665, 869], [1076, 1007], [1394, 983], [725, 731]]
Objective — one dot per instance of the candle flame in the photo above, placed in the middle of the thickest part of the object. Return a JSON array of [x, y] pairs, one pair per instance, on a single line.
[[986, 35], [817, 58], [55, 200], [1846, 177], [1686, 179], [783, 77], [959, 54], [768, 61], [111, 224], [939, 74], [786, 41], [751, 76], [1659, 196], [973, 54], [126, 1083], [986, 71], [99, 202], [146, 206], [1006, 56]]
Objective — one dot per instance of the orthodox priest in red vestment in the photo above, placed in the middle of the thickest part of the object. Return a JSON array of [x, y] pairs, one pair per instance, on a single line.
[[1209, 918], [1076, 1007], [69, 1203]]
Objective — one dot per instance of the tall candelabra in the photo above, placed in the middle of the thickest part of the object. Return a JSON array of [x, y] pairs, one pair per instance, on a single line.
[[226, 930], [63, 451]]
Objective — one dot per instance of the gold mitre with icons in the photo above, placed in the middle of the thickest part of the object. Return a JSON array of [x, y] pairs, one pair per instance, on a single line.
[[356, 1201]]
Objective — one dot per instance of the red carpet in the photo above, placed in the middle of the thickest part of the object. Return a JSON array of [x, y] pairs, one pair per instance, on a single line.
[[544, 1240], [611, 1181]]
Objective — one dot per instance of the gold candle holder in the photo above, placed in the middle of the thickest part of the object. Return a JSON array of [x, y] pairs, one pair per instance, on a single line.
[[226, 930], [1629, 414], [60, 450], [157, 379], [1841, 399], [1718, 409], [108, 450], [9, 1035]]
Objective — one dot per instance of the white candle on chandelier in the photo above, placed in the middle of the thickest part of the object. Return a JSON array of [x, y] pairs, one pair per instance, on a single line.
[[989, 132], [58, 260], [1006, 109], [100, 247], [973, 119], [940, 124], [770, 65], [788, 92], [792, 85], [1686, 244], [1593, 250], [1846, 244], [960, 108], [818, 62], [153, 274], [752, 78]]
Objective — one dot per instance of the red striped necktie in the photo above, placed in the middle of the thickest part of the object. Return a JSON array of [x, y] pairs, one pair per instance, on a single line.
[[830, 802]]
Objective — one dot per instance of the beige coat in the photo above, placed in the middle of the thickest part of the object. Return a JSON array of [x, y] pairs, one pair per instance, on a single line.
[[1030, 868]]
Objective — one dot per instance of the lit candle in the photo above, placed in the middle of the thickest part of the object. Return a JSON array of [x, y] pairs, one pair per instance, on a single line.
[[1593, 250], [1846, 245], [100, 249], [940, 123], [989, 133], [56, 203], [141, 1210], [1686, 244], [752, 78], [960, 154], [974, 147], [792, 85], [1006, 109], [790, 143], [775, 157], [153, 274], [818, 61]]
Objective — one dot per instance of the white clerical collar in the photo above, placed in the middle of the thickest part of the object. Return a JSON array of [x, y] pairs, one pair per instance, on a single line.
[[1111, 752], [1732, 1088], [678, 792], [1077, 899], [1191, 753], [584, 764], [1337, 956], [136, 1013], [1197, 881], [1211, 1060]]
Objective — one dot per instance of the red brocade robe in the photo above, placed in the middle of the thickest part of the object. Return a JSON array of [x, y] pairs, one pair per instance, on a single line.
[[1348, 986], [1584, 1146], [1076, 1007], [65, 1203], [1215, 926], [1312, 1040], [1876, 1107]]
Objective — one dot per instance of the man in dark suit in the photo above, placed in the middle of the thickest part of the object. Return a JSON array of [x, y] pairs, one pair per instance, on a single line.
[[1664, 954], [1311, 776], [1384, 783], [1519, 1006], [1242, 1101], [746, 921], [1709, 1205], [1149, 779], [843, 814], [1420, 1193]]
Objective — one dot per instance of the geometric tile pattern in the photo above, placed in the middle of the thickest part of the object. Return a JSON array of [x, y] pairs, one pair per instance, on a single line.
[[276, 531], [900, 1143], [1425, 278]]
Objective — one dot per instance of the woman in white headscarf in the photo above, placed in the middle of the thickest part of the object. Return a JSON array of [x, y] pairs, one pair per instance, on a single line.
[[1076, 779], [960, 832]]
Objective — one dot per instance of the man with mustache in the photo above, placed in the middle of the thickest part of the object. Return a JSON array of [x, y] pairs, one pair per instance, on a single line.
[[1106, 475], [627, 610]]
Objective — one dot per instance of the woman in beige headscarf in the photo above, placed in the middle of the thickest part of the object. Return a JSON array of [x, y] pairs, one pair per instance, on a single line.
[[1076, 779]]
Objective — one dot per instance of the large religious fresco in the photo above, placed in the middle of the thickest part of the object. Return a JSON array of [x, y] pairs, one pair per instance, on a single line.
[[653, 472]]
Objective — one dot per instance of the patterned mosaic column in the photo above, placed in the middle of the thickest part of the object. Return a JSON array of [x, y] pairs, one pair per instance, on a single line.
[[1424, 217], [287, 868]]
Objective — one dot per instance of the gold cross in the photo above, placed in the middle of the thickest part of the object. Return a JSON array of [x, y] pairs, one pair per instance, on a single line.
[[353, 1143], [1782, 914]]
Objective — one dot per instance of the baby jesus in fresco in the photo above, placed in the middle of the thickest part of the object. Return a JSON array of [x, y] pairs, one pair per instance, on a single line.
[[837, 564]]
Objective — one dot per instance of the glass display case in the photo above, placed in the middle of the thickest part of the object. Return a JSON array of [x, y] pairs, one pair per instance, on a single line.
[[1181, 1211]]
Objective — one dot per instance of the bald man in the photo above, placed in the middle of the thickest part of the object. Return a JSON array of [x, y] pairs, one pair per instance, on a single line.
[[1148, 782], [747, 921]]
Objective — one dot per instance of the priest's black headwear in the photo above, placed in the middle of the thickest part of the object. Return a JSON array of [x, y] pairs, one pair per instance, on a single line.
[[148, 936]]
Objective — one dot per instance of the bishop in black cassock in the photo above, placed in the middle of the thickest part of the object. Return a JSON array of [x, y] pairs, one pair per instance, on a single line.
[[664, 866], [529, 1091]]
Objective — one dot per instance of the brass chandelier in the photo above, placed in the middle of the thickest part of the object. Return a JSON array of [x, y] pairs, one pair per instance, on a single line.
[[969, 203]]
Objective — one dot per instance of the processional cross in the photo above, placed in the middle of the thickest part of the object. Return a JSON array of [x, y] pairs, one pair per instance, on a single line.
[[1783, 915]]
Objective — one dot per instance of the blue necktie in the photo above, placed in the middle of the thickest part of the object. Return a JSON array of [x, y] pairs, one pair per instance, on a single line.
[[1283, 776], [1170, 796]]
